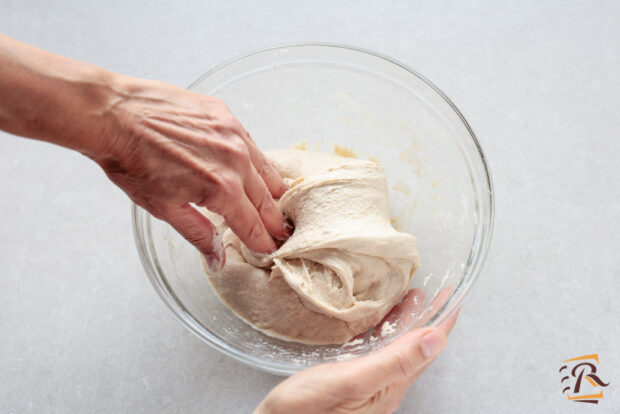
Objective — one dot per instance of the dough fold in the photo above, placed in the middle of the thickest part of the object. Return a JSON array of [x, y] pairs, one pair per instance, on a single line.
[[343, 268]]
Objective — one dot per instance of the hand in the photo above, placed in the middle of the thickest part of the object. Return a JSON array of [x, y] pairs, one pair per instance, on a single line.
[[375, 383], [167, 147], [164, 146]]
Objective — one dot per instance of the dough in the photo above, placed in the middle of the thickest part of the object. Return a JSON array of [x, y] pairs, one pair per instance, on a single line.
[[343, 268]]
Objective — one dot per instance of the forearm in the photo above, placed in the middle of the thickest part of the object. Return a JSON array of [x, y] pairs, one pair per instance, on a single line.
[[54, 99], [164, 146]]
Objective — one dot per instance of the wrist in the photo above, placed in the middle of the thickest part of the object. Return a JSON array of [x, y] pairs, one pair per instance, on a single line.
[[104, 101], [55, 99], [86, 120]]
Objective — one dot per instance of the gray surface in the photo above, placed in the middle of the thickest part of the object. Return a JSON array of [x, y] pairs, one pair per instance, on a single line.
[[81, 330]]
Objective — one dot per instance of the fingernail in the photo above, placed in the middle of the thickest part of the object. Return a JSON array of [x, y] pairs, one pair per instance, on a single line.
[[288, 227], [288, 231], [432, 344]]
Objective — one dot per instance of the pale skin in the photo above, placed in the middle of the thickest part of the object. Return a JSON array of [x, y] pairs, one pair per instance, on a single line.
[[164, 146], [374, 384], [169, 149]]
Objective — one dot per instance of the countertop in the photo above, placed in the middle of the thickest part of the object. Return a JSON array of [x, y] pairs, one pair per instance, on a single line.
[[82, 330]]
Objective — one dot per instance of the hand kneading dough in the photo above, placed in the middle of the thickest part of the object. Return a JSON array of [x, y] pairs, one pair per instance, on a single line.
[[343, 268]]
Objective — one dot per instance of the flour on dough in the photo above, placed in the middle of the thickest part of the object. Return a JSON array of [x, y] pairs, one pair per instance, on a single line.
[[343, 268]]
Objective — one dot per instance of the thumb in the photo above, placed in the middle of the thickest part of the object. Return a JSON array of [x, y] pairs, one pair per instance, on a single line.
[[403, 358], [197, 229]]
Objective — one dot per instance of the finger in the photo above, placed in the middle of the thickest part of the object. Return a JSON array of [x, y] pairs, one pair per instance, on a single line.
[[196, 229], [244, 220], [402, 314], [396, 393], [266, 170], [267, 208], [446, 326], [403, 358], [407, 309], [437, 303]]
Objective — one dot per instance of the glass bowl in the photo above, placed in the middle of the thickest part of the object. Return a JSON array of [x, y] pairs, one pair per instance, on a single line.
[[328, 98]]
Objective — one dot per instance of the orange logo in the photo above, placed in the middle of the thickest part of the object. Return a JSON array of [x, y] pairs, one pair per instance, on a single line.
[[580, 380]]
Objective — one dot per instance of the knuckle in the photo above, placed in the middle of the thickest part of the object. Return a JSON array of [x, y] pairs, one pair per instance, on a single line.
[[157, 211], [237, 152], [255, 231], [199, 239], [230, 188], [403, 364], [112, 167], [216, 205], [216, 100], [232, 122], [227, 124], [227, 190], [153, 208], [205, 198], [214, 106], [266, 169], [266, 204]]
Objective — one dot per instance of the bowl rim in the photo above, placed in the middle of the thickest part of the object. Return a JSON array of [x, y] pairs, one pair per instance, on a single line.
[[484, 231]]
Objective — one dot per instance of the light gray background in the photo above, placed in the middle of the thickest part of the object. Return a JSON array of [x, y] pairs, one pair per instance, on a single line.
[[81, 329]]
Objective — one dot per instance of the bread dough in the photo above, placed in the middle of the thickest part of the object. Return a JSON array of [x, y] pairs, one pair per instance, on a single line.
[[343, 268]]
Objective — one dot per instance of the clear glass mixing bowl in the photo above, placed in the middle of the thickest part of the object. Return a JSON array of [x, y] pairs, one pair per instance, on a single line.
[[321, 96]]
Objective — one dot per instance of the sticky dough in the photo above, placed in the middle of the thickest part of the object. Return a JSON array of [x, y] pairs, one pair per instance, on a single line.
[[343, 268]]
